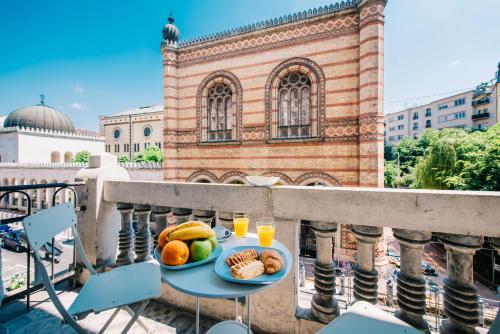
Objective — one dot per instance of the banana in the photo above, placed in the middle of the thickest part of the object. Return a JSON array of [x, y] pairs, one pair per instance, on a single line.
[[163, 237], [191, 223], [190, 233]]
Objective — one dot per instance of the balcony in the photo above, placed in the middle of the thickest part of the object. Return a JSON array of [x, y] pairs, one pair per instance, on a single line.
[[461, 220], [479, 116], [480, 101]]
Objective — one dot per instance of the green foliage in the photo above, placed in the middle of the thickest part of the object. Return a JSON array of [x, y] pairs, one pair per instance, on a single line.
[[390, 173], [447, 159], [150, 154], [388, 154], [82, 156], [458, 159], [123, 158]]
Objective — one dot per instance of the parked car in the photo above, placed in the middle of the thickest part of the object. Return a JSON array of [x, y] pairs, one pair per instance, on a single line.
[[4, 229], [427, 269], [58, 250], [15, 240]]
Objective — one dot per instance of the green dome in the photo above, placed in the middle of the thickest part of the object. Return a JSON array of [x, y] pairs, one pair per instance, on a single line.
[[41, 117]]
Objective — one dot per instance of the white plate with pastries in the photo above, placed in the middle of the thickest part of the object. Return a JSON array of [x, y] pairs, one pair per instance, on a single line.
[[251, 265]]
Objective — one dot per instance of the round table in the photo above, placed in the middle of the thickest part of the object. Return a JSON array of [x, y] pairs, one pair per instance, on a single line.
[[202, 281]]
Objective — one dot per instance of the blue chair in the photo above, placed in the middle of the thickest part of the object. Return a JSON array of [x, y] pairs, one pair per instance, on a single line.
[[364, 317], [118, 288]]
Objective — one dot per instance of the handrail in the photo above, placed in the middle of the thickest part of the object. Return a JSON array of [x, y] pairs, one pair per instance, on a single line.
[[457, 212], [38, 186]]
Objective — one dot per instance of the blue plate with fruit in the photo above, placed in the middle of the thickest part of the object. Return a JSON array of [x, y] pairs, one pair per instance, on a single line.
[[214, 255], [187, 245]]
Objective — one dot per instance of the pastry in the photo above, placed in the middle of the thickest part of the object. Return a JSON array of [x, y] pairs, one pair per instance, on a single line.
[[248, 269], [272, 261], [242, 256]]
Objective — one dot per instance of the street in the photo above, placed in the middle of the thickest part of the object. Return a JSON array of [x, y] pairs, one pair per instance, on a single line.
[[14, 263]]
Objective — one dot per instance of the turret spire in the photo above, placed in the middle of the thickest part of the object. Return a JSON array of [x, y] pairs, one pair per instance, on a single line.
[[171, 17]]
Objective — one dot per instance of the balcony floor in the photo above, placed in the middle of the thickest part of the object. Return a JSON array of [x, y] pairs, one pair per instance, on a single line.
[[44, 318]]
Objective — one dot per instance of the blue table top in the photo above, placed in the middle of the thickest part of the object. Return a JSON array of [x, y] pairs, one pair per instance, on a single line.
[[202, 281]]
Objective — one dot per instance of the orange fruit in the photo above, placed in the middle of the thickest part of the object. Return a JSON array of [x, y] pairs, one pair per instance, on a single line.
[[175, 253], [162, 238]]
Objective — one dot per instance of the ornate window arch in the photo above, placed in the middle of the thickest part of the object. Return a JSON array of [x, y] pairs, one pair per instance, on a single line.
[[295, 106], [218, 108], [318, 178], [203, 176]]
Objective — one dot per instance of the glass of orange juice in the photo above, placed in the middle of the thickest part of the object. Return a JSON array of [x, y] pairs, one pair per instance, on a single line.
[[240, 222], [265, 231]]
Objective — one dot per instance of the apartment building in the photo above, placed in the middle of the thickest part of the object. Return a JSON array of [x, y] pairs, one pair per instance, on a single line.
[[129, 132], [474, 109]]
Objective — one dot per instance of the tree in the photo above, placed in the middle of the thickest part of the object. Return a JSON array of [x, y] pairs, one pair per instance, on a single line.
[[458, 159], [150, 154], [123, 158], [82, 156]]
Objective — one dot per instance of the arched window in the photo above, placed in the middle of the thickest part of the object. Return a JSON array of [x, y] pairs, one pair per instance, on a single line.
[[55, 157], [68, 157], [294, 106], [219, 113], [218, 108], [295, 101]]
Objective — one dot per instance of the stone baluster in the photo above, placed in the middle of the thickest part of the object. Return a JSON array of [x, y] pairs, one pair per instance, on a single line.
[[225, 219], [181, 215], [143, 241], [324, 306], [205, 216], [126, 235], [495, 242], [365, 274], [411, 284], [460, 296], [161, 217]]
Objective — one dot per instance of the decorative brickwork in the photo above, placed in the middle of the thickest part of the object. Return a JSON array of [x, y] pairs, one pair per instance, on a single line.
[[338, 49]]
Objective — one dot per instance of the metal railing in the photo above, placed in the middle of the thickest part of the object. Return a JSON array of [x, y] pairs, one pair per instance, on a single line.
[[24, 190]]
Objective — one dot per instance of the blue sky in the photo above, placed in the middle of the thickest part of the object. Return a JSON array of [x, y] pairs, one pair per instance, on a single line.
[[97, 57]]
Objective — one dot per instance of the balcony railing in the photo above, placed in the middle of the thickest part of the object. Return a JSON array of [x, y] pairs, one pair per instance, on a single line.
[[480, 101], [482, 115], [461, 219]]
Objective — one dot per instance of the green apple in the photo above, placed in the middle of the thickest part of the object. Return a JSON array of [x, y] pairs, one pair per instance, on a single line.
[[200, 250]]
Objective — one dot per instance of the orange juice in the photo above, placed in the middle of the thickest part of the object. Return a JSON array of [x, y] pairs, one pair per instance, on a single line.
[[266, 235], [240, 226]]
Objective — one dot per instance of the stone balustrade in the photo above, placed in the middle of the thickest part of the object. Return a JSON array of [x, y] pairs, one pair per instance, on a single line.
[[461, 219]]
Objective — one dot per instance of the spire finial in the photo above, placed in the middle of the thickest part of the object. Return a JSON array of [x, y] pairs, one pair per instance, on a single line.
[[42, 99], [171, 17], [498, 73]]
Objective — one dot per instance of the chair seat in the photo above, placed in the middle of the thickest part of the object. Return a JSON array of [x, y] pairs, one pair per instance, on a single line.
[[364, 317], [118, 287]]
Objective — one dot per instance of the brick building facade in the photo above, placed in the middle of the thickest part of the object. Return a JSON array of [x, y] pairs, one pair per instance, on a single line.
[[299, 97]]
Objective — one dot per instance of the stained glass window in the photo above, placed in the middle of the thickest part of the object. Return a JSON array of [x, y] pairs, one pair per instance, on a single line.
[[220, 113], [294, 106]]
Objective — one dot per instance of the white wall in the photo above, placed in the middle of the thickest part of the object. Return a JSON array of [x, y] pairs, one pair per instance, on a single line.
[[67, 172], [38, 147], [8, 147]]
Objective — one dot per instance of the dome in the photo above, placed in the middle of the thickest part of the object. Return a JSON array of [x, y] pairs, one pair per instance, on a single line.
[[39, 116], [170, 31]]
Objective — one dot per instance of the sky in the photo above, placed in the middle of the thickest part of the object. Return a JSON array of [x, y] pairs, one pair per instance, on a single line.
[[97, 57]]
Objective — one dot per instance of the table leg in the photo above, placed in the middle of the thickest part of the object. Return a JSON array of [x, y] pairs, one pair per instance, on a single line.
[[249, 308], [237, 309], [197, 315]]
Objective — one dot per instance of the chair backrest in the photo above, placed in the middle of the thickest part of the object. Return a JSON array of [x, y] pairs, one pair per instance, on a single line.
[[41, 227]]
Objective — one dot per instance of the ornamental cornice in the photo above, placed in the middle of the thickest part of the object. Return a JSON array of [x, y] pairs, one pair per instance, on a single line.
[[287, 35], [278, 21]]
